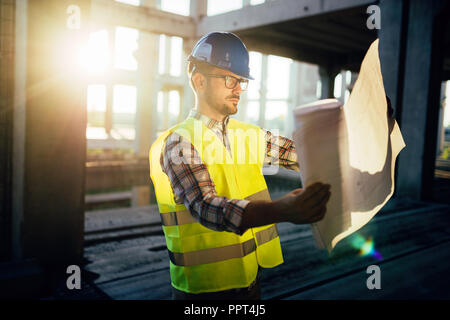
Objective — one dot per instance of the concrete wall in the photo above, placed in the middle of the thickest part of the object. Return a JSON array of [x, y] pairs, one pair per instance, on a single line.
[[411, 51], [49, 212], [7, 12]]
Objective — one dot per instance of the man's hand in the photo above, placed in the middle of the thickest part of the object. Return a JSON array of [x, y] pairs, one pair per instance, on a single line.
[[303, 206]]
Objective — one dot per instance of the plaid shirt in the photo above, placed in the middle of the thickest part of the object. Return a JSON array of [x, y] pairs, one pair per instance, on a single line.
[[193, 186]]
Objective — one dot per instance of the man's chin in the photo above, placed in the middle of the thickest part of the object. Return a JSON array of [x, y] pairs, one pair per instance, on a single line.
[[233, 109], [228, 109]]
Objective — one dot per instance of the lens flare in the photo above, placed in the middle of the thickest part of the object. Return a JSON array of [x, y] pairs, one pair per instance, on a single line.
[[366, 247]]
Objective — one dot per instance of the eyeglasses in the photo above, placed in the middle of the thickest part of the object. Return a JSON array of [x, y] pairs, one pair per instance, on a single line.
[[230, 81]]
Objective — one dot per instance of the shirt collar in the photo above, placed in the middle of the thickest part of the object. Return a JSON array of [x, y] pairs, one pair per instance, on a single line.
[[208, 122]]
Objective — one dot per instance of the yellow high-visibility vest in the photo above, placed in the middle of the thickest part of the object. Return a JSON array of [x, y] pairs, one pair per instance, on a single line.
[[201, 259]]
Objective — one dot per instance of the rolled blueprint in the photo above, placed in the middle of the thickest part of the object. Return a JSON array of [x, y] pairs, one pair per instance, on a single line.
[[351, 147]]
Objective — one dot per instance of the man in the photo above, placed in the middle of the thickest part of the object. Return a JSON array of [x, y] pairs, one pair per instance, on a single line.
[[217, 215]]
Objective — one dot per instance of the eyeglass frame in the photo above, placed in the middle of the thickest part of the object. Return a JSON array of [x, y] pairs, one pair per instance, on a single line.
[[240, 81]]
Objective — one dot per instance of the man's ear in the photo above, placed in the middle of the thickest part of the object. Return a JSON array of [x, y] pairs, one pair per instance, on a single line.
[[199, 81]]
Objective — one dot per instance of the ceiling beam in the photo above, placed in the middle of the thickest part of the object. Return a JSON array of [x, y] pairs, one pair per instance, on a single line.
[[302, 40], [332, 28], [304, 53], [321, 39], [107, 12], [273, 12], [291, 50]]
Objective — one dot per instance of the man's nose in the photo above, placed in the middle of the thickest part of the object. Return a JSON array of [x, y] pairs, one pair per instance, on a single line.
[[237, 88]]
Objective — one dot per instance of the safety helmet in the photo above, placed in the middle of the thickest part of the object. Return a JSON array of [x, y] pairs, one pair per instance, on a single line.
[[223, 50]]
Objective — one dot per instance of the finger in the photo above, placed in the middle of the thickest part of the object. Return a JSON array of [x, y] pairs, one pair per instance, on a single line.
[[313, 189], [323, 211], [325, 199], [318, 209], [318, 198], [316, 217], [322, 214], [315, 186], [296, 191], [319, 214]]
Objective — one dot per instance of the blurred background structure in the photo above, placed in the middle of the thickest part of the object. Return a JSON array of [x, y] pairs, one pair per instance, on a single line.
[[86, 86]]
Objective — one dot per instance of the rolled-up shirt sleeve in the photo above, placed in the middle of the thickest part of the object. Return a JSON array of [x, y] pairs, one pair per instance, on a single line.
[[280, 151], [192, 185]]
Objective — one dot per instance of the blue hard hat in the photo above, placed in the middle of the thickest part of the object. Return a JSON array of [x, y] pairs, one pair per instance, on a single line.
[[223, 50]]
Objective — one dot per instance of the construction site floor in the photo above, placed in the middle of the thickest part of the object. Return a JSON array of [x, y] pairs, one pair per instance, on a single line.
[[126, 257]]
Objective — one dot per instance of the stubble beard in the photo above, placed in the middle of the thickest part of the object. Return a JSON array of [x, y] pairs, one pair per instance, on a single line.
[[220, 107]]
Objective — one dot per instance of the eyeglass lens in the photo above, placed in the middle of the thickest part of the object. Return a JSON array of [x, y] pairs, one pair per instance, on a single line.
[[232, 82]]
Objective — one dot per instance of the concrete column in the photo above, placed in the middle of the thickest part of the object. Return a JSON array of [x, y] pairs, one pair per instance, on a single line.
[[263, 92], [353, 79], [392, 50], [54, 133], [421, 92], [165, 116], [300, 81], [295, 90], [198, 9], [343, 86], [441, 127], [19, 124], [7, 48], [187, 99], [110, 82], [327, 75], [109, 107], [243, 105], [167, 62], [147, 57], [188, 94]]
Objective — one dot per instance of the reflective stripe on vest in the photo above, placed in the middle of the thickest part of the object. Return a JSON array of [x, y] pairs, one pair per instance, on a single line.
[[185, 217], [177, 218], [238, 250]]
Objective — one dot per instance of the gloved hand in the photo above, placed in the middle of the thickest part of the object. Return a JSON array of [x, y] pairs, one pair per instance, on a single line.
[[302, 206]]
